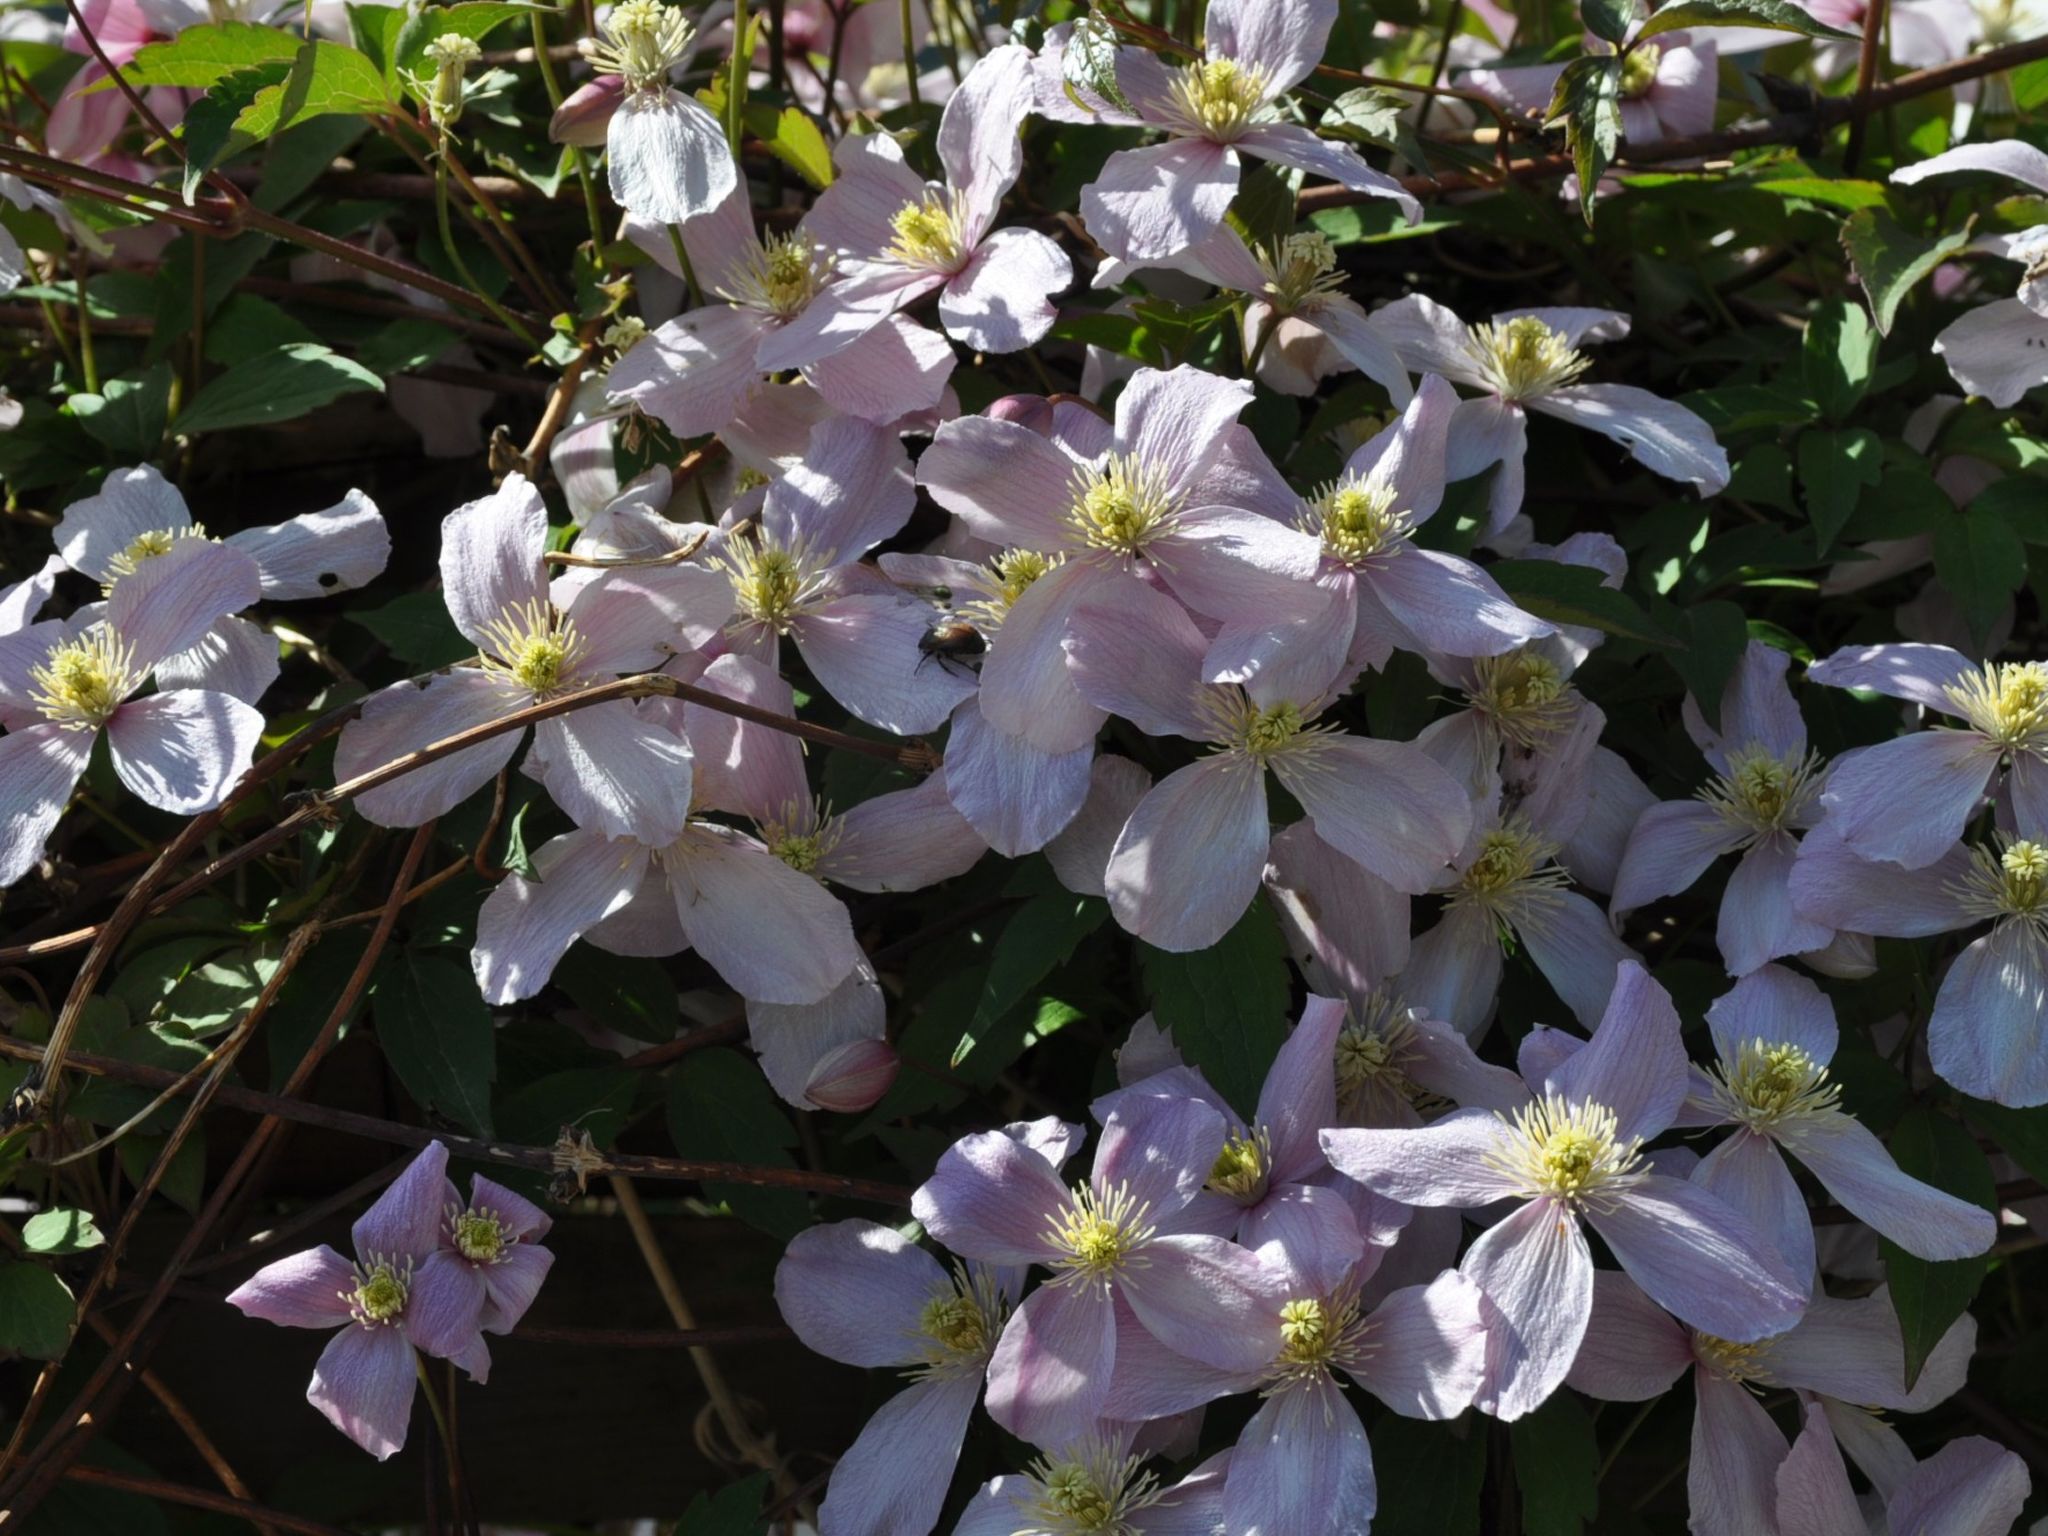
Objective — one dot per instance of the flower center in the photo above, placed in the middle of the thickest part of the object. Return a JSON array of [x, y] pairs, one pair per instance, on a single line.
[[2010, 880], [929, 234], [1373, 1052], [479, 1236], [1121, 507], [1357, 519], [383, 1285], [1768, 1084], [783, 276], [1735, 1362], [770, 582], [1300, 268], [1089, 1491], [1099, 1232], [1523, 357], [1013, 572], [1524, 695], [534, 646], [1570, 1152], [642, 40], [1513, 867], [1242, 1166], [1765, 793], [84, 680], [1639, 69], [1220, 98], [958, 1325], [146, 547], [2006, 702]]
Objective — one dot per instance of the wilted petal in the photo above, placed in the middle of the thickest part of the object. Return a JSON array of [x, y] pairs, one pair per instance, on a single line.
[[667, 157]]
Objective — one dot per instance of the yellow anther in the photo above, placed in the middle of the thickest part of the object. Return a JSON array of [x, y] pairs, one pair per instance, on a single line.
[[1522, 357]]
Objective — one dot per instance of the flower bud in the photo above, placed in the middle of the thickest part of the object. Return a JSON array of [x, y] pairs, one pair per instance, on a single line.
[[1033, 411], [586, 112], [451, 54], [853, 1077]]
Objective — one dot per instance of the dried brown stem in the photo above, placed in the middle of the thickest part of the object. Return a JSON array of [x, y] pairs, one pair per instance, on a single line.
[[198, 1498]]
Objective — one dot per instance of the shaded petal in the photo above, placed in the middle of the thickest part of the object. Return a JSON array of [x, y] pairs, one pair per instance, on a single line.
[[775, 935], [615, 772], [1453, 971], [891, 370], [169, 602], [39, 765], [1855, 1168], [1574, 946], [1079, 855], [1384, 803], [851, 490], [1002, 301], [1671, 847], [792, 1039], [1633, 1351], [854, 1292], [1487, 431], [1448, 1162], [1998, 350], [992, 1198], [1154, 1382], [1699, 1259], [1834, 886], [2008, 157], [1659, 434], [1015, 796], [667, 158], [405, 1221], [1428, 1352], [1736, 1450], [1635, 1063], [1207, 1298], [1537, 1274], [1347, 928], [865, 651], [1133, 651], [404, 718], [1451, 605], [183, 751], [1985, 1035], [1919, 674], [893, 1478], [444, 1310], [511, 1284], [525, 926], [1853, 1349], [1812, 1486], [336, 550], [1188, 862], [1302, 1466], [1025, 688], [490, 556], [1157, 1149], [1749, 1173], [1152, 203], [1052, 1366], [234, 657], [1777, 1006], [303, 1291], [902, 841], [364, 1383], [1298, 148], [1970, 1487], [1908, 799], [1759, 921], [692, 373], [1299, 1097]]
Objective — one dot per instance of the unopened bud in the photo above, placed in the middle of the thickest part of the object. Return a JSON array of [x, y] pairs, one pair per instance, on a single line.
[[1032, 411], [586, 112], [852, 1078], [451, 54]]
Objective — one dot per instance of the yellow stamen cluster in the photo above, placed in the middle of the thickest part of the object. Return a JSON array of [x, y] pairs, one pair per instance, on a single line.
[[1300, 269], [1523, 695], [1522, 357], [1243, 1166], [2007, 702], [478, 1236], [1373, 1052], [1318, 1335], [770, 581], [1121, 507], [1762, 793], [1011, 575], [1769, 1084], [383, 1286], [2009, 880], [1220, 98], [930, 234], [146, 547], [1089, 1491], [642, 40], [784, 275], [1269, 730], [1639, 70], [959, 1325], [1514, 872], [1732, 1361], [802, 836], [1357, 519], [533, 646], [84, 680], [1565, 1151], [1099, 1231]]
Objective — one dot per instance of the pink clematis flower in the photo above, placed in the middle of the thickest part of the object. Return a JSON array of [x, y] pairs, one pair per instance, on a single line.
[[1667, 87], [1089, 510], [1154, 202], [365, 1379], [1529, 360], [1907, 800], [1970, 1487], [483, 1274], [667, 157], [138, 516], [1767, 787], [1847, 1350], [64, 684], [1572, 1155], [609, 766], [1774, 1034], [1097, 1483], [899, 237], [1121, 1236], [1190, 859]]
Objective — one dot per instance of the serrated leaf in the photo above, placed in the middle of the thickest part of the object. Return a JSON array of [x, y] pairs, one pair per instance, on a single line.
[[61, 1232], [1929, 1295], [1838, 357], [436, 1033], [1778, 15], [2020, 502], [1557, 1466], [1574, 594], [1889, 262], [277, 386], [198, 56], [475, 21], [128, 414], [1836, 466], [325, 79], [1587, 100], [209, 132], [1368, 111], [35, 1311], [1225, 1005], [1981, 562], [1088, 63]]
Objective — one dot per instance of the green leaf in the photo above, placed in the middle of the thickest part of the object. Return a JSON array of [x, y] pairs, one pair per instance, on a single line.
[[1587, 100], [248, 327], [1839, 356], [1836, 465], [129, 413], [281, 385], [2021, 1133], [1574, 594], [721, 1108], [475, 21], [1745, 407], [1088, 63], [1889, 262], [325, 79], [1608, 20], [1226, 1005], [1039, 937], [418, 630], [198, 56], [1557, 1465], [516, 857], [436, 1033], [1719, 634], [1366, 112], [792, 137], [631, 994], [184, 1182], [1929, 1295], [209, 131], [2018, 501], [733, 1511], [61, 1231], [1441, 1474], [1776, 14], [1982, 563], [35, 1311]]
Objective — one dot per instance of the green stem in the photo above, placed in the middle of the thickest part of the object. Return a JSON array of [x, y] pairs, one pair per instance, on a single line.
[[736, 78], [87, 363], [909, 54], [682, 252], [1251, 364], [576, 155], [498, 311]]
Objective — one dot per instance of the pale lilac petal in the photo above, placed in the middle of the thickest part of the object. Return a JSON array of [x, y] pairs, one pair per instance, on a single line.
[[1660, 435], [1299, 1097], [1444, 1063], [1207, 1298], [1025, 689], [864, 651], [992, 1198], [1133, 651], [1153, 1382], [1573, 945], [22, 601], [1451, 605], [1853, 1349], [1428, 1353], [306, 1290], [444, 1310], [2007, 157], [1635, 1063], [893, 369], [1015, 796], [692, 373], [1748, 1172], [169, 601], [183, 751], [1537, 1274], [614, 772], [1919, 674], [978, 140], [1307, 1232], [405, 1221], [1634, 1351], [1302, 1466], [1448, 1162], [1832, 885], [363, 1382], [525, 926], [490, 556], [1384, 803], [635, 621], [851, 490], [1759, 921], [1282, 39], [96, 530], [1670, 848], [1079, 855], [1985, 1035], [775, 935], [1158, 1149], [519, 1216], [1353, 335], [1149, 204], [1002, 301], [39, 765], [792, 1040], [667, 157], [1299, 149], [1970, 1487], [1004, 482], [1174, 421], [234, 657], [1303, 656], [1051, 1368], [894, 1476], [1757, 710], [1908, 799], [1430, 339], [1699, 1259], [1878, 1449], [1525, 88], [1813, 1496], [1778, 1007], [1855, 1168], [316, 553], [1347, 928], [1237, 566], [1736, 1450], [1188, 862], [752, 770], [902, 841], [511, 1284], [854, 1291], [1998, 350], [404, 718]]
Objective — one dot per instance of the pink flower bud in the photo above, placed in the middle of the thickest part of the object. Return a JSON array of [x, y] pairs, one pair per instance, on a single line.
[[1033, 411], [853, 1077], [586, 112]]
